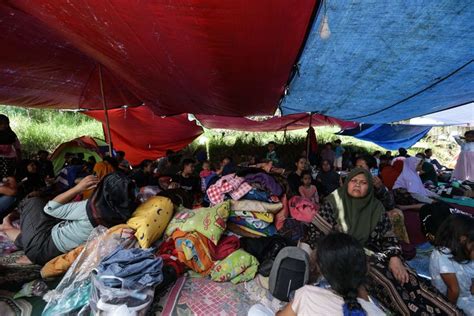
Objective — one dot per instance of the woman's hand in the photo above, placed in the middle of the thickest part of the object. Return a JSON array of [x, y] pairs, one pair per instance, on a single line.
[[399, 271], [87, 183]]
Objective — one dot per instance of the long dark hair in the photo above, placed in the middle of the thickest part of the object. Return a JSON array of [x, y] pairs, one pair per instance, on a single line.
[[343, 264], [449, 236], [7, 136]]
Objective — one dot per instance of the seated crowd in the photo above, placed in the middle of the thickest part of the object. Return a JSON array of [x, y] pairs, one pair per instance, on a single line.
[[356, 234]]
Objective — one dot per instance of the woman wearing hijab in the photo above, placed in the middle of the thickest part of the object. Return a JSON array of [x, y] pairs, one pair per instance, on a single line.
[[390, 174], [353, 209], [10, 149], [327, 180], [409, 189]]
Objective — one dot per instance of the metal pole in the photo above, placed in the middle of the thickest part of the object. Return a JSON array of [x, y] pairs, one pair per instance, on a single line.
[[104, 104]]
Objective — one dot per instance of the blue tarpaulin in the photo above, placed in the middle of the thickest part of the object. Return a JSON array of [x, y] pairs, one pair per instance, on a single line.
[[386, 61], [388, 136]]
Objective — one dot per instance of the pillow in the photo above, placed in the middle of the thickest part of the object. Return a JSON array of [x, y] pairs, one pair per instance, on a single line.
[[150, 220], [193, 251], [239, 266], [255, 206], [209, 221]]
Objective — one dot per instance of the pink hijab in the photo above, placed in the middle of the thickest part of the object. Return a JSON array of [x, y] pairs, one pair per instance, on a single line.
[[409, 178]]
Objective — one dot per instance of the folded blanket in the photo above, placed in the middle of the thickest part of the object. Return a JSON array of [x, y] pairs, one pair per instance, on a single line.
[[267, 181], [246, 227], [242, 231], [266, 217], [249, 222], [255, 206]]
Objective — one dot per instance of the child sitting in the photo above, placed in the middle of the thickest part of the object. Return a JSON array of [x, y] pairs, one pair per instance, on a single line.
[[205, 172], [452, 262], [307, 190]]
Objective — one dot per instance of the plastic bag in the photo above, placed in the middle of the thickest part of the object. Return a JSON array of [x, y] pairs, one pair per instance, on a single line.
[[73, 292], [106, 300], [147, 192]]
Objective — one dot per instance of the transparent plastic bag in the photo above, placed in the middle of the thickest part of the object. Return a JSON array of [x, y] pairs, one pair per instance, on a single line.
[[73, 292], [105, 300]]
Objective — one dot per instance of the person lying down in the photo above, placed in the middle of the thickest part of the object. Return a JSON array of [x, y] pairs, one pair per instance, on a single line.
[[51, 228]]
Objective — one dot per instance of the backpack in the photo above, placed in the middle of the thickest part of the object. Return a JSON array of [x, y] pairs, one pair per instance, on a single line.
[[113, 201], [290, 272]]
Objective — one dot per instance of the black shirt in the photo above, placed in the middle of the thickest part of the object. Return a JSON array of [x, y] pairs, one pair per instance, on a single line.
[[190, 184], [294, 181], [46, 168]]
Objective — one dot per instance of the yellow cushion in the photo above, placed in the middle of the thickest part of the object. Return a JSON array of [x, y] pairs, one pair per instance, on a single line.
[[151, 219]]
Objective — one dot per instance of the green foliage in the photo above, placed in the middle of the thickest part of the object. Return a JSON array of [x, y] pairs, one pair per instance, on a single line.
[[46, 129], [242, 145]]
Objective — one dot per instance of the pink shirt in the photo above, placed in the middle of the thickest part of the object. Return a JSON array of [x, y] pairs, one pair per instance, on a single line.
[[309, 193], [312, 301], [205, 173]]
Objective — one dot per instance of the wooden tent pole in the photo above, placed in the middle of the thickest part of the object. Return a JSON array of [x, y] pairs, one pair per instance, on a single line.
[[104, 104]]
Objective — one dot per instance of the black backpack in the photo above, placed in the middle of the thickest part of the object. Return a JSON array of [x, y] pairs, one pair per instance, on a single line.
[[113, 201], [290, 272]]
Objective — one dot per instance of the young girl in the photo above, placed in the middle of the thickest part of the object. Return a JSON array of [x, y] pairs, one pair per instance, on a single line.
[[342, 262], [205, 172], [452, 262], [307, 190], [464, 167]]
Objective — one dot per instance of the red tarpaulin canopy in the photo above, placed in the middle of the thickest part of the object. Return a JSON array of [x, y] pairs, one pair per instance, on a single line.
[[218, 57], [274, 124], [38, 68], [143, 135]]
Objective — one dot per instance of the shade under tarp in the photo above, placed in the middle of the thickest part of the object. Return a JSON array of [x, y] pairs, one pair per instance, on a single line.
[[182, 56], [387, 135], [274, 124], [143, 135], [386, 61]]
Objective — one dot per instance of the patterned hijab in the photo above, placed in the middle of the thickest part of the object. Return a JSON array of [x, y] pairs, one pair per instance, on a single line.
[[357, 216]]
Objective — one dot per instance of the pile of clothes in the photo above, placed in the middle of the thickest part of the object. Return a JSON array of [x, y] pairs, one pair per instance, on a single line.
[[195, 237], [255, 198], [236, 237]]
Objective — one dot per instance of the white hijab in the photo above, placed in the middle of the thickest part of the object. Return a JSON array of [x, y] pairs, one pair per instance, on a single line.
[[410, 180]]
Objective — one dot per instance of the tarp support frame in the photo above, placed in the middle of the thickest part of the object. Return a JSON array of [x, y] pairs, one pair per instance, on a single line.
[[104, 104]]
